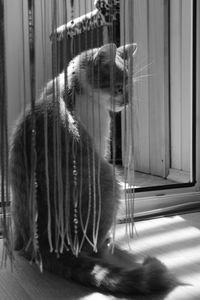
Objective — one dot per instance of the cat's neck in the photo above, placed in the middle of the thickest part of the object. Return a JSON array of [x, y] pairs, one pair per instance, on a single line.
[[96, 119]]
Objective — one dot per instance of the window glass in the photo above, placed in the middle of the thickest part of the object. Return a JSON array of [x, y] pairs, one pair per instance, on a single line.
[[161, 117]]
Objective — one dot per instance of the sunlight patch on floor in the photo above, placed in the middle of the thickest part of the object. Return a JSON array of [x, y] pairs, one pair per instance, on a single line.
[[160, 237], [159, 222], [145, 226], [181, 257], [178, 246], [166, 238], [97, 296]]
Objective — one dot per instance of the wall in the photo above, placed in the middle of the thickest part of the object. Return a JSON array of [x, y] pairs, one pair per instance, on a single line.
[[17, 51]]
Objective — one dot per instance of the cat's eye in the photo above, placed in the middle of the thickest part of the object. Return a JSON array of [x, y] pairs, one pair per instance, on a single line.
[[119, 88]]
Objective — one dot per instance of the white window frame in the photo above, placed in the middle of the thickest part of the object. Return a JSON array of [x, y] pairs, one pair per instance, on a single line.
[[185, 197], [181, 89]]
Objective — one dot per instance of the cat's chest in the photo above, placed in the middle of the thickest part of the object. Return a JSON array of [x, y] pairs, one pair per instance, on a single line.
[[95, 117]]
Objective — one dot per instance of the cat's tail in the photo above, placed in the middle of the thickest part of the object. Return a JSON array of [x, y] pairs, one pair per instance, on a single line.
[[150, 277]]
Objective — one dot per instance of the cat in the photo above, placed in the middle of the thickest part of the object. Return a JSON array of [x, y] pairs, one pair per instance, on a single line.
[[96, 82]]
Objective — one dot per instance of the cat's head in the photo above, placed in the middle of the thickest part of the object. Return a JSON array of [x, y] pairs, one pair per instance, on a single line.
[[102, 74]]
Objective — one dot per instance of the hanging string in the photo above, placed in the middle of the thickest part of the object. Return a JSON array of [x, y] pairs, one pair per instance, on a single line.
[[33, 242], [58, 181], [111, 33], [97, 164], [44, 55], [125, 146], [75, 194], [91, 213], [131, 116], [67, 175], [83, 226], [131, 162], [84, 230], [25, 94], [55, 114], [94, 196], [99, 157], [88, 163], [4, 175], [75, 197]]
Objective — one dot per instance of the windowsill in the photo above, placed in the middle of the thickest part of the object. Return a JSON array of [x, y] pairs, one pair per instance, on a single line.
[[174, 240], [147, 180]]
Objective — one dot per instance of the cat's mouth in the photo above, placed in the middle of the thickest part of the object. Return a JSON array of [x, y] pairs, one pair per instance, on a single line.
[[118, 103]]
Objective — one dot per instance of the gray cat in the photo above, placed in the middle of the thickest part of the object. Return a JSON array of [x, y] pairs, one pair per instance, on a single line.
[[76, 108]]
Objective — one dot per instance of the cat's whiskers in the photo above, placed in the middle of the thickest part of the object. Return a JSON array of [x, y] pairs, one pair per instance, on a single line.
[[146, 66], [144, 76]]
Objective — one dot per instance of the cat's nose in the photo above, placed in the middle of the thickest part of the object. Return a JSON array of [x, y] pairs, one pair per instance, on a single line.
[[120, 90]]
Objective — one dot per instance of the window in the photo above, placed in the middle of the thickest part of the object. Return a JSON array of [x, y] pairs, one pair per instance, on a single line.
[[3, 124], [164, 105]]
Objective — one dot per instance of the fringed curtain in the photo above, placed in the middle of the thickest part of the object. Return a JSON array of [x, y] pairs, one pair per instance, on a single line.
[[93, 29]]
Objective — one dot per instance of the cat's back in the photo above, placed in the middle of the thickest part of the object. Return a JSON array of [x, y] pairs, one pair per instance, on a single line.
[[50, 119], [46, 114]]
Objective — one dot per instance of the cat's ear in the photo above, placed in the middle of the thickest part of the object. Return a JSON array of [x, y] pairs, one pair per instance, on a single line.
[[106, 54], [127, 50]]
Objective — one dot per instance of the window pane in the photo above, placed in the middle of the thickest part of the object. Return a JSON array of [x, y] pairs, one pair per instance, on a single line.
[[162, 92]]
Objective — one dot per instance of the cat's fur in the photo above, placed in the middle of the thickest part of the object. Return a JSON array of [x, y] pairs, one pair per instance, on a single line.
[[89, 92]]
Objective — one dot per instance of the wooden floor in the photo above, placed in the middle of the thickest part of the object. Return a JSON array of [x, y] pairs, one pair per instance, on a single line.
[[174, 240]]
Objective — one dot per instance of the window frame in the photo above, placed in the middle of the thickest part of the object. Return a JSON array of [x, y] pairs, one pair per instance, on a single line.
[[181, 197]]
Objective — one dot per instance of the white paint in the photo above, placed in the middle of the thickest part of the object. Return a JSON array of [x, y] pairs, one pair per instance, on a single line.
[[181, 84], [94, 115]]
